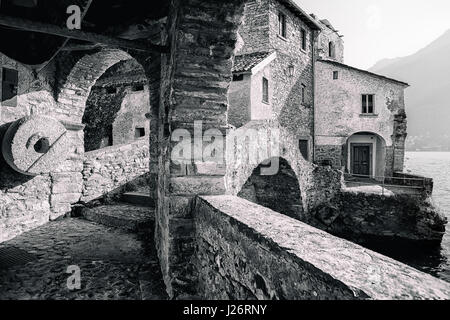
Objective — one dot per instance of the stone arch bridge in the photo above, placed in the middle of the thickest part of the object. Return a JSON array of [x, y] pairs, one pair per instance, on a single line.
[[317, 184]]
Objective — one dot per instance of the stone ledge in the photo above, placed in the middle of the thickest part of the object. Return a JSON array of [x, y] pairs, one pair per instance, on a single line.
[[191, 185], [120, 147], [359, 269], [125, 216]]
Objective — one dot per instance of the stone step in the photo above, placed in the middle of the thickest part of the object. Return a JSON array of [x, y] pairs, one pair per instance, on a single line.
[[122, 215], [139, 198]]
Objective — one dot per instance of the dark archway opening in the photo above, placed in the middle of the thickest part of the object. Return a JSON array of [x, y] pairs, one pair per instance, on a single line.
[[279, 192]]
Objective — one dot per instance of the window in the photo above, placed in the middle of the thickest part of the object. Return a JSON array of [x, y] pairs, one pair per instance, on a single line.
[[335, 75], [238, 77], [139, 132], [331, 50], [368, 104], [304, 148], [303, 93], [138, 87], [107, 139], [303, 36], [282, 24], [265, 90], [10, 83]]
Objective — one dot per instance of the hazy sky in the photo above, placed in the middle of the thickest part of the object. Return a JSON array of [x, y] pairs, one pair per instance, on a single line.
[[378, 29]]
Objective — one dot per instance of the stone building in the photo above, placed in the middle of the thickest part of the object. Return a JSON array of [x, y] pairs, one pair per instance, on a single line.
[[360, 120], [290, 69], [274, 69], [330, 43]]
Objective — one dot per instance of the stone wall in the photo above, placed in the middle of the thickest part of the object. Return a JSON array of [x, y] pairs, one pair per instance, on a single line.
[[287, 103], [195, 79], [76, 74], [254, 30], [60, 91], [259, 32], [406, 179], [112, 170], [326, 36], [245, 251], [112, 118], [35, 91], [361, 216], [259, 109], [131, 119], [330, 155], [99, 116], [117, 106], [239, 95], [27, 202]]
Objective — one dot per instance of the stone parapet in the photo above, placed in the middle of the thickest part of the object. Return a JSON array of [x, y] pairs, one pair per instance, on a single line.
[[245, 251]]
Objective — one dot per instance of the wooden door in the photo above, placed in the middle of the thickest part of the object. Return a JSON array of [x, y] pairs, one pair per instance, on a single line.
[[361, 160]]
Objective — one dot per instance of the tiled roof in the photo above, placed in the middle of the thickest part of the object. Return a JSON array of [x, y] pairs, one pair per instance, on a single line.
[[328, 24], [247, 62], [311, 22], [363, 71]]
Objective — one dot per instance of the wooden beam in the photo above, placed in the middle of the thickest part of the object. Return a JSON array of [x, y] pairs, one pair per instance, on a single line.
[[82, 47], [34, 26]]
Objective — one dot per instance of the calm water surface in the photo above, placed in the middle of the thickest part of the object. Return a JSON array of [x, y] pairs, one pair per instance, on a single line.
[[435, 165]]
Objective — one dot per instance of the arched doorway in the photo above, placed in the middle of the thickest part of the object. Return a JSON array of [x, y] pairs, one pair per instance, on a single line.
[[108, 91], [365, 155], [116, 108], [279, 192]]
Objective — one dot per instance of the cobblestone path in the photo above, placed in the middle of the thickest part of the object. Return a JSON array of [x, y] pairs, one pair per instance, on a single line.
[[114, 264]]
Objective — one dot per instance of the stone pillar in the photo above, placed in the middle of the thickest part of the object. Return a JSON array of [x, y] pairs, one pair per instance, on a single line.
[[195, 78], [399, 139]]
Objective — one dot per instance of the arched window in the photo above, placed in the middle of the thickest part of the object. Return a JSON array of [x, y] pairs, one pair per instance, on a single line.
[[331, 50]]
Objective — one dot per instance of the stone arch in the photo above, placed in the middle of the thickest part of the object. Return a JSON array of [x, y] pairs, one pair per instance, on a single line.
[[78, 74], [74, 92], [384, 135], [239, 169], [279, 192], [117, 106], [377, 146]]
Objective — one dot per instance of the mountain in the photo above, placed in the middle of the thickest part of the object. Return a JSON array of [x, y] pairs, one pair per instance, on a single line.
[[428, 98]]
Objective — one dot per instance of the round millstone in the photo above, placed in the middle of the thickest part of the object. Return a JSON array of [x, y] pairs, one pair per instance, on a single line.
[[35, 145]]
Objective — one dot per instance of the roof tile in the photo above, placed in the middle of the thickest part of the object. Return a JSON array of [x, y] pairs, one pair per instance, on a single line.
[[247, 62]]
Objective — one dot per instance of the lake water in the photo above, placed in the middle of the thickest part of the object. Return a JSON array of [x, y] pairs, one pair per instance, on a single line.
[[434, 165]]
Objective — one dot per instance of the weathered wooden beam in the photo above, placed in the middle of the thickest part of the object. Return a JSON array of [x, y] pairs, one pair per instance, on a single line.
[[34, 26], [82, 47]]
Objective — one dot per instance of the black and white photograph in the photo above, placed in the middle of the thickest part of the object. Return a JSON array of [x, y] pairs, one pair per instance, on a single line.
[[220, 156]]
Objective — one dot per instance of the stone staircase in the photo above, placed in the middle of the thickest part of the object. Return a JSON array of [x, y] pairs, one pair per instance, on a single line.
[[133, 213], [138, 198]]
